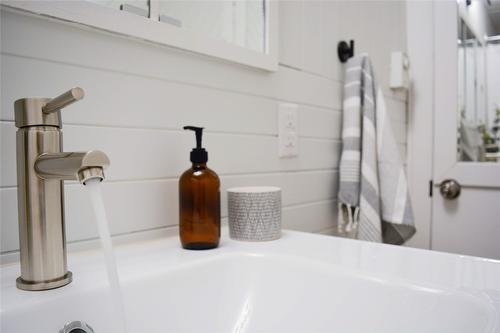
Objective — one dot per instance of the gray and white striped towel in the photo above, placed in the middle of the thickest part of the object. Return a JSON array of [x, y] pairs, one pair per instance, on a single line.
[[373, 196]]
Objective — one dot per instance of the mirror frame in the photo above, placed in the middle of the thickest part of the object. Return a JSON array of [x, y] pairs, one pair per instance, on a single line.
[[88, 14]]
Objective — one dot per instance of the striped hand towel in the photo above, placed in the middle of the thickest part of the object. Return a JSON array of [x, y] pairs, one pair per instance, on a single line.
[[373, 196]]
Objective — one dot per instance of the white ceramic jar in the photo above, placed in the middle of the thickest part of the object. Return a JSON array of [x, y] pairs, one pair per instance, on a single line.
[[254, 213]]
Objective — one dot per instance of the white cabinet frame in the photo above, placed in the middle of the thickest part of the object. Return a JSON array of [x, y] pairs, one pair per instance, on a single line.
[[92, 15]]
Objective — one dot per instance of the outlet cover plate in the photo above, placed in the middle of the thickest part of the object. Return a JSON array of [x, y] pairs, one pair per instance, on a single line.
[[288, 130]]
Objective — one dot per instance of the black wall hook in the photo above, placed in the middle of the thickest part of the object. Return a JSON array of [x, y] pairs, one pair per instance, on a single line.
[[345, 51]]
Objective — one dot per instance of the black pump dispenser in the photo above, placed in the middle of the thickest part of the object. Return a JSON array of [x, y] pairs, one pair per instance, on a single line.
[[198, 154], [199, 201]]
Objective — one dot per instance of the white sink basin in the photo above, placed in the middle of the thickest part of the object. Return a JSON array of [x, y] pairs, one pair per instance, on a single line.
[[301, 283]]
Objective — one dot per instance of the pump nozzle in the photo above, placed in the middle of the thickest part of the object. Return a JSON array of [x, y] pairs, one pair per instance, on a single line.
[[198, 132], [198, 154]]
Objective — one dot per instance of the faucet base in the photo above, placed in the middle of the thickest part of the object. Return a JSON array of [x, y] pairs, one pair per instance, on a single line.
[[44, 285]]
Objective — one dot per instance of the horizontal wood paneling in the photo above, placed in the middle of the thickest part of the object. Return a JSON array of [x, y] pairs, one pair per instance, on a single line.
[[141, 102], [139, 95], [150, 154], [378, 28], [291, 41], [312, 217], [319, 123], [117, 99], [396, 111], [142, 205], [44, 39]]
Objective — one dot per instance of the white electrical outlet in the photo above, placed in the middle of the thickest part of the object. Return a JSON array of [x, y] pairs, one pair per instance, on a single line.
[[288, 130]]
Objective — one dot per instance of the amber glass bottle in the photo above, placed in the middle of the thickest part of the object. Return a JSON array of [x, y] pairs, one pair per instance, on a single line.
[[199, 201]]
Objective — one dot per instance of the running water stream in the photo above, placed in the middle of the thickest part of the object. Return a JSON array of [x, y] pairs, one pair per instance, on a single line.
[[94, 190]]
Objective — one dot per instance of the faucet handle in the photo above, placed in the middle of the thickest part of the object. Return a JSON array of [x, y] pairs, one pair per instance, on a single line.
[[61, 101], [40, 111]]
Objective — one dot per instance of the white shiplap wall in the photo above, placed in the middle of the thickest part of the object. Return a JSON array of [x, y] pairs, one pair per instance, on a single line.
[[138, 96]]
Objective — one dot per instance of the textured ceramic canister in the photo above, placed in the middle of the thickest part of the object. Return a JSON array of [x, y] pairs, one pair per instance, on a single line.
[[254, 213]]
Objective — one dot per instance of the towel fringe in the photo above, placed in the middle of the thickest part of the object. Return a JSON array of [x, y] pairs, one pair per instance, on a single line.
[[340, 219], [356, 218], [349, 226], [348, 220]]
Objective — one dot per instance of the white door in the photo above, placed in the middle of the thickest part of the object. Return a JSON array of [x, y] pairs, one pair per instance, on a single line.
[[469, 223]]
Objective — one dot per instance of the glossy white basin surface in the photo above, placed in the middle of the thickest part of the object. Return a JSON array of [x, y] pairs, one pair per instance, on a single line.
[[300, 283]]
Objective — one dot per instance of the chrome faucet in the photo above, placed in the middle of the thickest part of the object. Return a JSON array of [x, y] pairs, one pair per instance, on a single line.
[[41, 169]]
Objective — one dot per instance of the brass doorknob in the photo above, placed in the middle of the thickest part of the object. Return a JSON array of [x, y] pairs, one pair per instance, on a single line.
[[450, 189]]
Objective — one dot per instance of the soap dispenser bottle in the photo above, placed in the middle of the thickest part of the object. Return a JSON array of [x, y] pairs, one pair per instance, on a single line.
[[199, 201]]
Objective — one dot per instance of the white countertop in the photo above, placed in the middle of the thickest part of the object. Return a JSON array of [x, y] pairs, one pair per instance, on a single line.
[[297, 283]]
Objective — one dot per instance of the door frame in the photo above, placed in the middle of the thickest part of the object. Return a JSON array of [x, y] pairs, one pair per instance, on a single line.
[[420, 48], [428, 83]]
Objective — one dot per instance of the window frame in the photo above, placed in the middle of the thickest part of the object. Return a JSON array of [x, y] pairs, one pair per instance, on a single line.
[[150, 29]]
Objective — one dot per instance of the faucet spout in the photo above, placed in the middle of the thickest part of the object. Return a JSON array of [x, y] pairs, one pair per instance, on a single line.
[[81, 166]]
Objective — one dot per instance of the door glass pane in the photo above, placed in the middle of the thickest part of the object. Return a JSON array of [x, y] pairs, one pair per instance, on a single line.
[[492, 84], [477, 136]]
